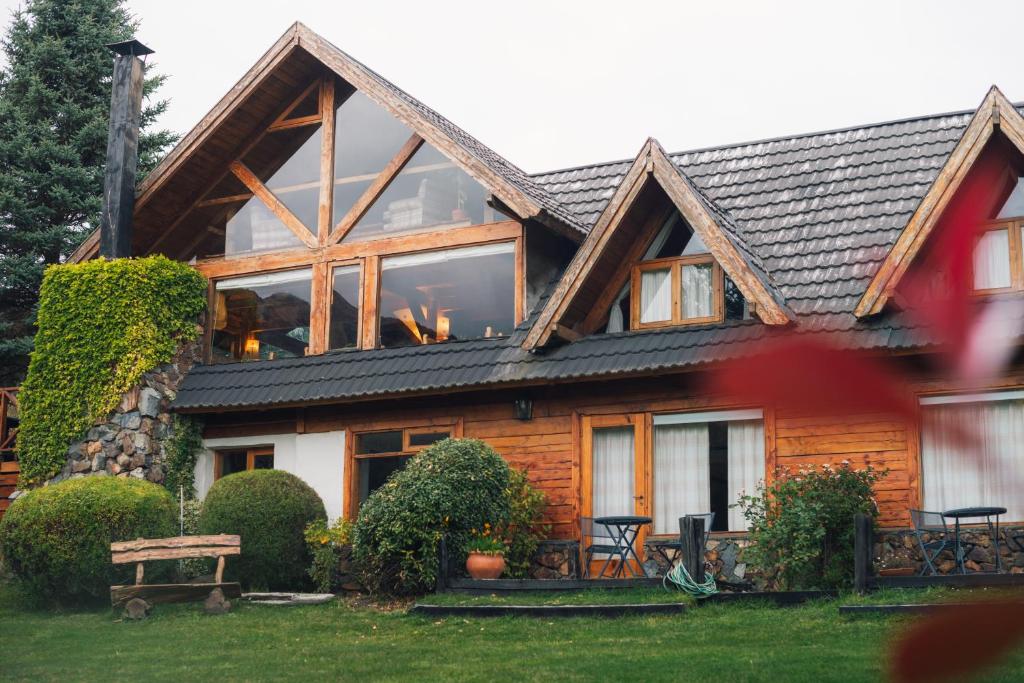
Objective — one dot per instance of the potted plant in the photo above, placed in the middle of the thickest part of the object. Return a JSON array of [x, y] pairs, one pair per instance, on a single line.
[[486, 558]]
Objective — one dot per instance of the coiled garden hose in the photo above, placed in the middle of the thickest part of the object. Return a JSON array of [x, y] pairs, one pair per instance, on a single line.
[[681, 579]]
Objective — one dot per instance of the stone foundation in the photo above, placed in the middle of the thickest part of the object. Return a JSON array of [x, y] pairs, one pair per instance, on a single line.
[[898, 549], [131, 440]]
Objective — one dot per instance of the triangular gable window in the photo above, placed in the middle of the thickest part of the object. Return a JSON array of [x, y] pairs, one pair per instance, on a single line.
[[366, 139], [1013, 207], [287, 162], [430, 193]]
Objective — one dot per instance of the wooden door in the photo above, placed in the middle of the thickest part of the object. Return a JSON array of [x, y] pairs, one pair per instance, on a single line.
[[614, 471]]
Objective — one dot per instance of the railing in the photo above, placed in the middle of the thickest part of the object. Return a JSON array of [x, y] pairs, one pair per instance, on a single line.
[[8, 423]]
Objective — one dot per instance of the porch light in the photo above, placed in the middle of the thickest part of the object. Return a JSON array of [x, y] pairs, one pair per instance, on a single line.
[[524, 408]]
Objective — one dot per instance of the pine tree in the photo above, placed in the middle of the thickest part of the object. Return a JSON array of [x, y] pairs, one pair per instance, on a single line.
[[54, 113]]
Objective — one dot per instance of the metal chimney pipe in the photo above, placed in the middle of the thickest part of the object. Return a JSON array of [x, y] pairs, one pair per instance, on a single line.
[[122, 149]]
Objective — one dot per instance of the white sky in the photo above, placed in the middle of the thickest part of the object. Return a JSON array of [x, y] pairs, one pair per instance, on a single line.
[[552, 83]]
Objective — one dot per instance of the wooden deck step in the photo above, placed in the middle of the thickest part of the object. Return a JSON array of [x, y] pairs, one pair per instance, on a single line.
[[10, 466]]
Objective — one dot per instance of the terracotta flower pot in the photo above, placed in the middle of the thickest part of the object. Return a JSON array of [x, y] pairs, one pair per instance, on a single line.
[[481, 566]]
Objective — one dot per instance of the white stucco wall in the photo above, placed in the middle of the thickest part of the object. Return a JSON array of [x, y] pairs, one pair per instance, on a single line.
[[318, 459]]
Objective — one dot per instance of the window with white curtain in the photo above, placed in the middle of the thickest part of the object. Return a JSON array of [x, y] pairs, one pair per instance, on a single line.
[[655, 295], [972, 452], [613, 471], [992, 260], [703, 462]]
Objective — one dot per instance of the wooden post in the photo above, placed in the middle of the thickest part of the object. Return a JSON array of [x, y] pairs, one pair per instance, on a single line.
[[862, 546], [442, 565], [691, 540], [138, 574], [220, 570]]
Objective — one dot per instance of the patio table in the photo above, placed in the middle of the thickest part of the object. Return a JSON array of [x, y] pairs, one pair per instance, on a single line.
[[623, 530], [967, 513]]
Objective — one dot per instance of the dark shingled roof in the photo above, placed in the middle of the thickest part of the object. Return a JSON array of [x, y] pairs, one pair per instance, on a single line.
[[819, 212]]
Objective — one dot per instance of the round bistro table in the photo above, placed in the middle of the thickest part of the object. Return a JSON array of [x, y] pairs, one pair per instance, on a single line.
[[973, 512], [624, 529]]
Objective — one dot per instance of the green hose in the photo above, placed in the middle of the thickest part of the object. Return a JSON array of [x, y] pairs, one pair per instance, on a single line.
[[681, 579]]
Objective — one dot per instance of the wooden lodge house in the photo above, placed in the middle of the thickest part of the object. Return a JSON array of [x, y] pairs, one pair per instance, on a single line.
[[379, 279]]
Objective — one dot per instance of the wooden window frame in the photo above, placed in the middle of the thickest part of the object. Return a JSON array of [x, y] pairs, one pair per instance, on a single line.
[[350, 483], [251, 453], [675, 266], [1013, 227], [316, 306], [329, 299]]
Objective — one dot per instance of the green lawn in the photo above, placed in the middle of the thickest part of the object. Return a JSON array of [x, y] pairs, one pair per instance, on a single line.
[[618, 596], [339, 641]]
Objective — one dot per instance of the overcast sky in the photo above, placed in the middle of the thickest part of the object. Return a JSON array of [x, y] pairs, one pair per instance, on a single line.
[[552, 84]]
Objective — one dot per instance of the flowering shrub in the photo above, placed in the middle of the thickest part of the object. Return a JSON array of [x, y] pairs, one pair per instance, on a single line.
[[330, 547], [801, 527]]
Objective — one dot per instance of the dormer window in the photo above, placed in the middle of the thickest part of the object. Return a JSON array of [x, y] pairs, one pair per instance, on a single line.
[[677, 282]]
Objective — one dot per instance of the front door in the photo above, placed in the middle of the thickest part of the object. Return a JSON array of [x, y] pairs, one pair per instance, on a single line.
[[613, 474]]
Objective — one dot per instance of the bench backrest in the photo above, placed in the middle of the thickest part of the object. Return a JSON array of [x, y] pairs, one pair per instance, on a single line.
[[175, 548]]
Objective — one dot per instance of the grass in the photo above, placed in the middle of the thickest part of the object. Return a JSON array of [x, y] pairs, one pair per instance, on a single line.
[[341, 641], [593, 596]]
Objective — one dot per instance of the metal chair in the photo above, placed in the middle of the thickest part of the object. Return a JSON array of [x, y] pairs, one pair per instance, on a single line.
[[592, 535], [664, 547], [934, 523]]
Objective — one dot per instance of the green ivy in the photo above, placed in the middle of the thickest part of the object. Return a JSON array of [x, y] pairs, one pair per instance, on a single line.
[[183, 447], [102, 324]]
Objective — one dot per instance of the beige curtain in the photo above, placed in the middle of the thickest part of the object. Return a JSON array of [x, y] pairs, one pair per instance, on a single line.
[[613, 465], [655, 295], [992, 260], [682, 483], [698, 301], [746, 465], [955, 475]]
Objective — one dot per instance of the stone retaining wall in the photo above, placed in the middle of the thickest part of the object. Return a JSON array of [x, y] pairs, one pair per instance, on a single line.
[[898, 548], [131, 440]]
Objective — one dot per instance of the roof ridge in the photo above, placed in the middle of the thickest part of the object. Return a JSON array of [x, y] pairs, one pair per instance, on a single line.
[[778, 138]]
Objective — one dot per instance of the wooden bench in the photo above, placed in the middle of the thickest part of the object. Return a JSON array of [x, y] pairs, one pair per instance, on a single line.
[[176, 548]]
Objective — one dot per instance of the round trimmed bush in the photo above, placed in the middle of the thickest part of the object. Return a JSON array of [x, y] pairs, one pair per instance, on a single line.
[[452, 487], [57, 538], [270, 510]]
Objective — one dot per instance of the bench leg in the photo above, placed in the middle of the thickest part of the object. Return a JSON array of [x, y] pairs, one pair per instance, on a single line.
[[138, 574], [220, 570]]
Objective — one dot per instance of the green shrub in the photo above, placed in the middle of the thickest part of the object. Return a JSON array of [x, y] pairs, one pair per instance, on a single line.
[[331, 548], [102, 324], [56, 539], [270, 510], [450, 488], [524, 530], [801, 527]]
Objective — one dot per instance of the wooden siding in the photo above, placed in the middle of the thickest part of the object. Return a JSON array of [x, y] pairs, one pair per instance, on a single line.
[[548, 447]]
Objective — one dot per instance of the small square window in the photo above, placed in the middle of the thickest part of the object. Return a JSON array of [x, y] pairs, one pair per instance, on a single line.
[[656, 295], [992, 261]]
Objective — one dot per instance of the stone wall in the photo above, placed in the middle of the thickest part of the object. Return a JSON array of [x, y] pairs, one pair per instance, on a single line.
[[897, 549], [131, 440]]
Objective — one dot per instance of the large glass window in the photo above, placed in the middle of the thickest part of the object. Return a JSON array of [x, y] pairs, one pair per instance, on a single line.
[[446, 295], [431, 192], [703, 462], [972, 451], [287, 161], [262, 316], [343, 329]]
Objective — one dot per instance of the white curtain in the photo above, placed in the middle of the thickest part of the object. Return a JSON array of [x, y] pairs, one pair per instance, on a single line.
[[956, 475], [655, 295], [613, 471], [682, 483], [746, 465], [696, 294], [992, 260]]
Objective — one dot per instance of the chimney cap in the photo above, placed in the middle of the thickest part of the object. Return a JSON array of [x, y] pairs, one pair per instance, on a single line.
[[130, 48]]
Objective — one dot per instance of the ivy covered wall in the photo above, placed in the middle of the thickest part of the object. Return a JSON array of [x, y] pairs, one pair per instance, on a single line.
[[101, 326]]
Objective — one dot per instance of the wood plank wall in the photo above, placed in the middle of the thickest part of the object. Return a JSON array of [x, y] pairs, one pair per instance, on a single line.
[[547, 446]]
